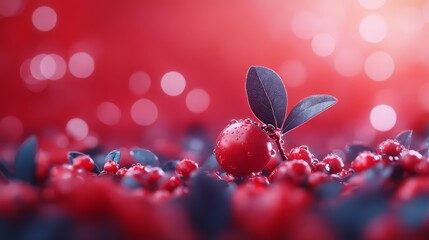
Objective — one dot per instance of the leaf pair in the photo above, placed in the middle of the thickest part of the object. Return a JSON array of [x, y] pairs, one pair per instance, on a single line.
[[267, 98]]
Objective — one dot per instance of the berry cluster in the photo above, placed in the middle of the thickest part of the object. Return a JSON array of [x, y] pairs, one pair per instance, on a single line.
[[250, 188]]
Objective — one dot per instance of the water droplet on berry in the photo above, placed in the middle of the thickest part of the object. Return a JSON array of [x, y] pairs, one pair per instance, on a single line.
[[248, 120], [233, 121], [272, 152]]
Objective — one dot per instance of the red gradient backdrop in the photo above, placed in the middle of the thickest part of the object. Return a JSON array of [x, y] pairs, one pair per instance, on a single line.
[[365, 53]]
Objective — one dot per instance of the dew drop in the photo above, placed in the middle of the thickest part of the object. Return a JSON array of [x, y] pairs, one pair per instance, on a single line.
[[272, 153], [234, 121]]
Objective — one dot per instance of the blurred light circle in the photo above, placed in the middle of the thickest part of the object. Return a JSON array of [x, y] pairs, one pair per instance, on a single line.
[[61, 67], [372, 4], [304, 25], [12, 127], [9, 8], [379, 66], [48, 66], [348, 62], [77, 129], [35, 68], [173, 83], [293, 72], [197, 100], [144, 112], [81, 65], [383, 117], [424, 96], [90, 142], [411, 20], [139, 83], [108, 113], [373, 28], [323, 44], [44, 18]]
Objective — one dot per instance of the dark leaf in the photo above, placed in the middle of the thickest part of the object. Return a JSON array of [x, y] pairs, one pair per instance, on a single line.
[[424, 152], [211, 164], [25, 161], [413, 213], [145, 157], [114, 155], [352, 151], [73, 155], [4, 171], [405, 138], [306, 109], [53, 228], [209, 205], [266, 95], [170, 166], [328, 191]]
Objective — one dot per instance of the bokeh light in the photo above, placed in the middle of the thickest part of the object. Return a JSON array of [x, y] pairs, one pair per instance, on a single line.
[[323, 44], [44, 18], [372, 4], [81, 65], [379, 66], [373, 28], [383, 117], [77, 128], [197, 100], [139, 83], [144, 112], [9, 8], [108, 113], [173, 83]]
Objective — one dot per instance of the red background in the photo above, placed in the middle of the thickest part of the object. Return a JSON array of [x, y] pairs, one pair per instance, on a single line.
[[212, 44]]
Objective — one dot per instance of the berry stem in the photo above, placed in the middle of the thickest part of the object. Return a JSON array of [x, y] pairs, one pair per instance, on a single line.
[[280, 147]]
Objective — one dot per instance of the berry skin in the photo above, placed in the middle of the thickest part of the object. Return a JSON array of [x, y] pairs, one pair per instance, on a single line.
[[185, 167], [153, 176], [243, 148], [334, 163], [121, 172], [317, 178], [364, 161], [111, 166], [390, 148], [296, 171], [83, 162], [300, 152], [258, 181], [410, 159]]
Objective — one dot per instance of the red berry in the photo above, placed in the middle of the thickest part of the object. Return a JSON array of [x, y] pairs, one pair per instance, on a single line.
[[121, 172], [243, 148], [185, 167], [410, 159], [300, 152], [258, 181], [171, 183], [83, 162], [295, 170], [364, 161], [153, 176], [334, 163], [140, 168], [111, 166], [390, 147], [317, 178]]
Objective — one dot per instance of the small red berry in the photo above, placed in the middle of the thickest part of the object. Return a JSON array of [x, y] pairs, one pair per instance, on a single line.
[[410, 159], [295, 170], [390, 148], [243, 148], [111, 166], [334, 163], [317, 178], [364, 161], [171, 183], [153, 176], [121, 172], [258, 181], [185, 167], [83, 162], [300, 152], [140, 168]]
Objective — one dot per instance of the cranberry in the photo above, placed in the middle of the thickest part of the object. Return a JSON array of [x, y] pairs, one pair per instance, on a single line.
[[111, 166], [140, 168], [334, 163], [185, 167], [317, 178], [410, 159], [364, 161], [171, 183], [295, 170], [153, 176], [121, 172], [258, 181], [300, 152], [84, 162], [243, 148], [391, 148]]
